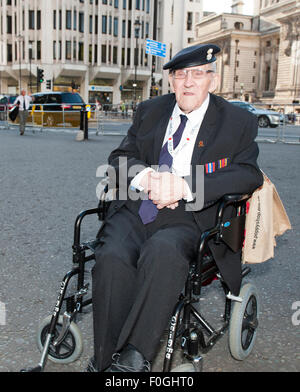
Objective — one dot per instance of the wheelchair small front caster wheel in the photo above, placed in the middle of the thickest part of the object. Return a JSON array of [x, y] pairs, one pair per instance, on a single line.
[[244, 322], [69, 349]]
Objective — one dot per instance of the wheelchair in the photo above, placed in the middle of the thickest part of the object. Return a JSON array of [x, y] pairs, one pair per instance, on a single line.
[[60, 340]]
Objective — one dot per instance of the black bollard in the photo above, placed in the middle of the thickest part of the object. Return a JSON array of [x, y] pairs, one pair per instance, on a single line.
[[81, 119], [86, 126]]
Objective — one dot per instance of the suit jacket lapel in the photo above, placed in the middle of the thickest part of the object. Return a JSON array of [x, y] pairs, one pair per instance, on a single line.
[[160, 129], [206, 132]]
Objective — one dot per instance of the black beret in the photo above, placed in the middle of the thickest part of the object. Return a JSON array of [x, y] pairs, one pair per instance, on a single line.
[[192, 56]]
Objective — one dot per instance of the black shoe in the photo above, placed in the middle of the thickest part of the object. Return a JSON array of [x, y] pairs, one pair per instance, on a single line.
[[129, 360], [91, 367]]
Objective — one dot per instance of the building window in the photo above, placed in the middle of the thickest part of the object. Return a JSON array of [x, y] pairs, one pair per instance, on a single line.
[[38, 20], [68, 20], [31, 20], [8, 24], [189, 24], [54, 20], [59, 19], [74, 49], [81, 22], [267, 80], [90, 53], [123, 57], [38, 50], [129, 29], [124, 4], [96, 54], [54, 50], [74, 20], [123, 28], [103, 53], [128, 56], [137, 4], [110, 24], [59, 50], [91, 23], [104, 24], [68, 50], [80, 51], [96, 24], [9, 53], [116, 3], [115, 55], [253, 79], [238, 25], [116, 27]]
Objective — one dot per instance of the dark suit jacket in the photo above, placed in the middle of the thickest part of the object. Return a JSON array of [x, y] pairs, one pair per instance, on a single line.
[[226, 132]]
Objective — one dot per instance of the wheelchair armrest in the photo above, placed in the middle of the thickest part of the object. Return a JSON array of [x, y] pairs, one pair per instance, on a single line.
[[228, 199], [78, 222], [225, 201]]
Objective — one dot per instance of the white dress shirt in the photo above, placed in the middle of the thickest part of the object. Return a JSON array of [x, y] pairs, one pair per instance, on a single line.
[[21, 99], [182, 155]]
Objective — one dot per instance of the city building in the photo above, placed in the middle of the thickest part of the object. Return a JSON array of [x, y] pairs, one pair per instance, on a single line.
[[260, 53], [97, 47], [89, 45], [177, 22]]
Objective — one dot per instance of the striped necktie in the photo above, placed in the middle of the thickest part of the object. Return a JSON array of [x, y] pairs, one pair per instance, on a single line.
[[148, 210]]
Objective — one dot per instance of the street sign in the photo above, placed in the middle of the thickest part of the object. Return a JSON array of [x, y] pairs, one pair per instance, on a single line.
[[156, 48]]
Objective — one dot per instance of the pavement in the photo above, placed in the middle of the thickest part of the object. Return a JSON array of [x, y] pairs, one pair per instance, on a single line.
[[47, 178]]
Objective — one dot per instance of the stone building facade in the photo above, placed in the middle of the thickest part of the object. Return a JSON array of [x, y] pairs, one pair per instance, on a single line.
[[260, 53], [95, 45]]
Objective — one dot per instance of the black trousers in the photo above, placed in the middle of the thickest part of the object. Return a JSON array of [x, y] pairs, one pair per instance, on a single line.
[[139, 273]]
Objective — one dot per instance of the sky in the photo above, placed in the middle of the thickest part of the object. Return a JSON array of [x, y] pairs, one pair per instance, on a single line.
[[220, 6]]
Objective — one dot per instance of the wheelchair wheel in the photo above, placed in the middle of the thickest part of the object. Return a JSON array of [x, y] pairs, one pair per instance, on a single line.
[[185, 367], [71, 347], [243, 323]]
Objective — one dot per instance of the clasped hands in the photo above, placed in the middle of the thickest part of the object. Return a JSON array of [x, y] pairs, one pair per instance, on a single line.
[[164, 188]]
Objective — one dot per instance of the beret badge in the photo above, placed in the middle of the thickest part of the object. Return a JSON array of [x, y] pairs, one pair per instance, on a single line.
[[209, 54]]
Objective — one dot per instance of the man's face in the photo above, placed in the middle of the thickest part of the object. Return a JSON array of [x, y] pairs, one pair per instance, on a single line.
[[23, 92], [191, 91]]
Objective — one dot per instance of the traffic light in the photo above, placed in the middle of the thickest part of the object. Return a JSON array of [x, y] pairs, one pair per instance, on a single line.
[[48, 84], [40, 75]]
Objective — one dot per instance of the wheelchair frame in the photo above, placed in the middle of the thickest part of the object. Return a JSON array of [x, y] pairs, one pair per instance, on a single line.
[[203, 270]]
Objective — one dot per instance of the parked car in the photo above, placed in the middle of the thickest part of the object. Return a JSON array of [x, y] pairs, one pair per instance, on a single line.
[[6, 103], [266, 118], [52, 108]]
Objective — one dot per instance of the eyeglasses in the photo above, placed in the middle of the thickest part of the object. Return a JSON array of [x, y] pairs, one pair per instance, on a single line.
[[197, 73]]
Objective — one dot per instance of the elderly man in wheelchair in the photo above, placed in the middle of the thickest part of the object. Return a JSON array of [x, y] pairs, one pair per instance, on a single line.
[[170, 230]]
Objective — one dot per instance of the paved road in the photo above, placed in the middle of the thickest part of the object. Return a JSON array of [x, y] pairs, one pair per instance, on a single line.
[[47, 178]]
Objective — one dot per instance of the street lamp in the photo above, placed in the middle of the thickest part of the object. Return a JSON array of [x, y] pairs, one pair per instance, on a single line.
[[235, 61], [30, 57], [20, 39], [137, 24]]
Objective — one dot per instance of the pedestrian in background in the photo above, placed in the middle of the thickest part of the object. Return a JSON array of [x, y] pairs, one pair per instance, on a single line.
[[23, 101]]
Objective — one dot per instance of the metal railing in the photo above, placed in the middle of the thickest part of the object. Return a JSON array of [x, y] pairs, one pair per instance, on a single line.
[[287, 127], [286, 130]]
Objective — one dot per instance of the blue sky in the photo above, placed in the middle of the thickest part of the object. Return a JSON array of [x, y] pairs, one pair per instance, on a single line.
[[225, 6]]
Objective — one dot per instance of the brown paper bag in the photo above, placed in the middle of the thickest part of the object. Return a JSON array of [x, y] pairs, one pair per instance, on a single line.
[[266, 218]]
